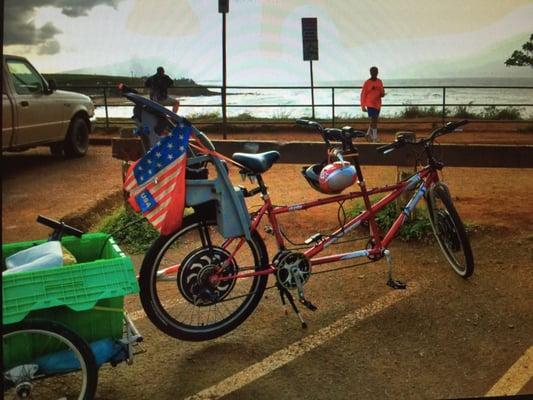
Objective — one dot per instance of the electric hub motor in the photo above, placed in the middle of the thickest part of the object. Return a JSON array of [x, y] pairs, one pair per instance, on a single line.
[[193, 278]]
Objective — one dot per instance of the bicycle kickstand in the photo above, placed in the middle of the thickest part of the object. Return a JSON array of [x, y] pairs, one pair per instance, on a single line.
[[283, 292], [390, 281]]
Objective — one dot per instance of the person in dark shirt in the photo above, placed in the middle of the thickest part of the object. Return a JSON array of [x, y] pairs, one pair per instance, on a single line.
[[159, 84]]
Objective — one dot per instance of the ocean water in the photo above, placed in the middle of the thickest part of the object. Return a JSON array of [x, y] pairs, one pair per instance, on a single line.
[[296, 103]]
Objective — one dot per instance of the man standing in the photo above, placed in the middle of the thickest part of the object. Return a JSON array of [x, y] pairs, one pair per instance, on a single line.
[[159, 84], [371, 95]]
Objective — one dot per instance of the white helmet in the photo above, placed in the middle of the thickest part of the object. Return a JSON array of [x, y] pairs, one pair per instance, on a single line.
[[336, 177]]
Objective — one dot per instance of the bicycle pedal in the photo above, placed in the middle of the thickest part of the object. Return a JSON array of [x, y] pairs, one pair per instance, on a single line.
[[308, 304], [396, 284]]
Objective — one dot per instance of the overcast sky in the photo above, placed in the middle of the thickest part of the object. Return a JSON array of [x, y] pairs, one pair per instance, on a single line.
[[406, 39]]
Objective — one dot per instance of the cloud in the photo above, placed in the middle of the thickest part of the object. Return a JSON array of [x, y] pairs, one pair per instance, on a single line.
[[19, 24], [49, 47]]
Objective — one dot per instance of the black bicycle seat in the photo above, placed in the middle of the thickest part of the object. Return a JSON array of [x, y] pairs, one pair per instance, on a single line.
[[257, 163]]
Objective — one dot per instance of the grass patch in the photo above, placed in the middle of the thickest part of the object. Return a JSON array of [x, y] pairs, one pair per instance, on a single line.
[[135, 238]]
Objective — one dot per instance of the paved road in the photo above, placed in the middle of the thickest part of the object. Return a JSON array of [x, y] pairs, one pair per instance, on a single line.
[[444, 337]]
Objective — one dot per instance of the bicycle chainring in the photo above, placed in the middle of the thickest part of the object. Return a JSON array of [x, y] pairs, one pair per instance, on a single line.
[[291, 266], [193, 277]]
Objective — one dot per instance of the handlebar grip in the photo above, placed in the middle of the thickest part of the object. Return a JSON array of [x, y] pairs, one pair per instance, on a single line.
[[387, 148], [302, 122], [450, 127], [126, 89]]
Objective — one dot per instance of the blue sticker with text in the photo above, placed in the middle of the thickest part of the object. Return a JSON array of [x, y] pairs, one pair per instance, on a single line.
[[146, 201]]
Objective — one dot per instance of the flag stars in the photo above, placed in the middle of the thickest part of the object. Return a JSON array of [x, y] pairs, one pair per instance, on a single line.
[[170, 146], [158, 155]]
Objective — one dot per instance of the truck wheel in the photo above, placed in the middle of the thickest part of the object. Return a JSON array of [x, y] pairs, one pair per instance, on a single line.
[[77, 140]]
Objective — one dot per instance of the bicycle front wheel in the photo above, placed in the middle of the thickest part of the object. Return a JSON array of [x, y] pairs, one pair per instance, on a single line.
[[45, 360], [450, 231], [176, 287]]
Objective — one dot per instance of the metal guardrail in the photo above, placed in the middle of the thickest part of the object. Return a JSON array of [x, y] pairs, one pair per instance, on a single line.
[[442, 105]]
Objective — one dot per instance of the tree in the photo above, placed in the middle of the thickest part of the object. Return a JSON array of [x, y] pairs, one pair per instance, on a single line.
[[522, 58]]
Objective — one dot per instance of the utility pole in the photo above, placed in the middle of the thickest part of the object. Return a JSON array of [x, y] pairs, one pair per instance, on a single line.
[[223, 8]]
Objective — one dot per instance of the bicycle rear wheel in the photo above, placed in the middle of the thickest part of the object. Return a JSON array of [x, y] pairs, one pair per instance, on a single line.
[[45, 360], [450, 231], [185, 304]]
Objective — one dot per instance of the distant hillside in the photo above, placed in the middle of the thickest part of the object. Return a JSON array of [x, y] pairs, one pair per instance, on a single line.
[[84, 83]]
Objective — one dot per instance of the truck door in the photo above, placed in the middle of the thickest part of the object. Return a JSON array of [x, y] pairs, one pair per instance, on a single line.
[[7, 117], [38, 117]]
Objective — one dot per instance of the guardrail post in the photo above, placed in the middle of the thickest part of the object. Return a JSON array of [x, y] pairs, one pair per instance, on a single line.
[[106, 111], [443, 105], [333, 107]]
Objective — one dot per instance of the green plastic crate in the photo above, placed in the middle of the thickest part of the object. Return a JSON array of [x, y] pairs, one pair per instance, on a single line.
[[102, 272], [87, 297]]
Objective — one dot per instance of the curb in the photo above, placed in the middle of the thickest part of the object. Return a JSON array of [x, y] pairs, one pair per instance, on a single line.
[[86, 218]]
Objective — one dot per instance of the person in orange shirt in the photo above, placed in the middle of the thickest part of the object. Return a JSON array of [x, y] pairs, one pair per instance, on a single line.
[[371, 95]]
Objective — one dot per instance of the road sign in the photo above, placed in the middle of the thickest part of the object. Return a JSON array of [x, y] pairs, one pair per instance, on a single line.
[[223, 6], [310, 39]]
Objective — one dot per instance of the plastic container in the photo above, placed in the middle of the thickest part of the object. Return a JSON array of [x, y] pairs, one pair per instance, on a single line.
[[88, 297], [42, 256]]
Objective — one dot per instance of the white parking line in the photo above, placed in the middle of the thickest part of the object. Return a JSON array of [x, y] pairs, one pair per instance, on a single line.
[[516, 377], [291, 352]]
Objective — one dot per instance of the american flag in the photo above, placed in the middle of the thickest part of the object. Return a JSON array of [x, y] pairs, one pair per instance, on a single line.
[[156, 182]]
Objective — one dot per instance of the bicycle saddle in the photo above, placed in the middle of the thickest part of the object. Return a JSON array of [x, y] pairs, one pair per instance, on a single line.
[[257, 163]]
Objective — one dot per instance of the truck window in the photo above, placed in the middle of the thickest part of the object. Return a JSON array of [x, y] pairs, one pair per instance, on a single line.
[[24, 78]]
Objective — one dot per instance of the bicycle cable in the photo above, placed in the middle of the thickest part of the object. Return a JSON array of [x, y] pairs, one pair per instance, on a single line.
[[299, 246]]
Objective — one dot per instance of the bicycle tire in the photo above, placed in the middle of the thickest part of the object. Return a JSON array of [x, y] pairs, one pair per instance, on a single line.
[[158, 309], [449, 231], [68, 338]]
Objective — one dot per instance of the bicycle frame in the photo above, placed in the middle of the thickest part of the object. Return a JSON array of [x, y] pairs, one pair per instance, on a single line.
[[422, 181]]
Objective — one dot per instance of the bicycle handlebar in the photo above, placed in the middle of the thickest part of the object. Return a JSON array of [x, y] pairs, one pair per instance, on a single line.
[[59, 226], [448, 128], [344, 135], [400, 142]]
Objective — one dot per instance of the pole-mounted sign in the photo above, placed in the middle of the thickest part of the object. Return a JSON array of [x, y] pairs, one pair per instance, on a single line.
[[310, 50], [223, 6], [310, 39]]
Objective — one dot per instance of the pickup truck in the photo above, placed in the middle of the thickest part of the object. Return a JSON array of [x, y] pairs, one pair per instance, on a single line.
[[35, 113]]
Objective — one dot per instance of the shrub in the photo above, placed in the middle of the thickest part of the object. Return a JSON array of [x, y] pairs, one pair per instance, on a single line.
[[129, 230], [464, 112], [417, 227], [420, 112], [492, 112]]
